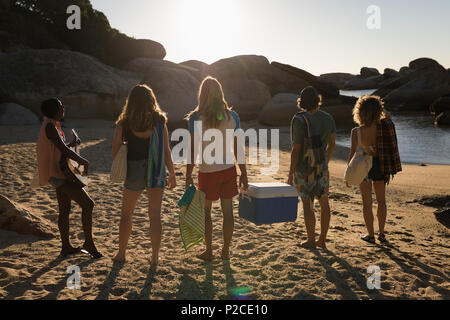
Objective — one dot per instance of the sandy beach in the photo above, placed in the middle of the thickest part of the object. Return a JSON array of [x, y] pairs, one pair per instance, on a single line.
[[265, 260]]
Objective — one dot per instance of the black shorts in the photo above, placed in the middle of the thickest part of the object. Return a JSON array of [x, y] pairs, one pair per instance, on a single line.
[[375, 173]]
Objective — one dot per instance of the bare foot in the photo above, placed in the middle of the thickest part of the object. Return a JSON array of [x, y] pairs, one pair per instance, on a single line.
[[308, 245], [225, 255], [321, 244], [120, 258], [207, 256]]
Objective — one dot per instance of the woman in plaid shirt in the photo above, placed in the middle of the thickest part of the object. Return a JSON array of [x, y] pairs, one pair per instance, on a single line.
[[379, 139]]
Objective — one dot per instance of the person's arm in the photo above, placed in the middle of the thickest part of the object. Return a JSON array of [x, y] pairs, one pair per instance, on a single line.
[[295, 154], [169, 160], [353, 144], [117, 141], [353, 139], [190, 165], [53, 135], [190, 162], [243, 178], [298, 135], [331, 146]]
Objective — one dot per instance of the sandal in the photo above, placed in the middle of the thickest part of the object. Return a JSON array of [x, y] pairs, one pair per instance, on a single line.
[[382, 238], [367, 238]]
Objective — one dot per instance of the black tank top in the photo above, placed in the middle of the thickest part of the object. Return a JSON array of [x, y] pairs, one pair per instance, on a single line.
[[137, 147]]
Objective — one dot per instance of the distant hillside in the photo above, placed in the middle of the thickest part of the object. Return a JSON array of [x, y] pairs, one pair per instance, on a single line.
[[42, 25]]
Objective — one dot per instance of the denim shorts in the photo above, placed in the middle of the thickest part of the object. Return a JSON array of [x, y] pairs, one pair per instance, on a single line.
[[136, 175]]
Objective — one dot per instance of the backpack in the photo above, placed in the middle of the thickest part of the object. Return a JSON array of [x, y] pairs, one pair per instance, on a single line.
[[313, 153], [359, 166]]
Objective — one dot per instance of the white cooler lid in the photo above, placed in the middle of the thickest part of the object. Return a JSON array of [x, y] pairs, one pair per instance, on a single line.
[[271, 190]]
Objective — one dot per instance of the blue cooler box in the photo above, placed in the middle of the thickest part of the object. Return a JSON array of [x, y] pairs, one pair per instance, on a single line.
[[267, 203]]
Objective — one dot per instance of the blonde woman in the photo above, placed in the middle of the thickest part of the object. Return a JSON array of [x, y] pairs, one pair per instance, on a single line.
[[378, 138], [218, 180], [142, 125]]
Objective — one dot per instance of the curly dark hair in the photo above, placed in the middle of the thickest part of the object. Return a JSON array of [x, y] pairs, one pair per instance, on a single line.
[[368, 110]]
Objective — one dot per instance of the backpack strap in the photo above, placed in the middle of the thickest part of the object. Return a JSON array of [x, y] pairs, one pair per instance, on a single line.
[[308, 124], [299, 116], [358, 132]]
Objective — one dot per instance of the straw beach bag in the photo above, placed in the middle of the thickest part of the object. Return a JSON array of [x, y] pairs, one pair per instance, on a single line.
[[359, 166], [119, 165]]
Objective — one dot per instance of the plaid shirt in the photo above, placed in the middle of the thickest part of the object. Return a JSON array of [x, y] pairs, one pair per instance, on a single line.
[[387, 148]]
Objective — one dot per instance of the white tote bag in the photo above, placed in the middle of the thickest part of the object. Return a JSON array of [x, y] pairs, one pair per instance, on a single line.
[[119, 165], [359, 166]]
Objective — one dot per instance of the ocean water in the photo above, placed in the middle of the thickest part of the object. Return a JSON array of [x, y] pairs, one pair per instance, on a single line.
[[419, 141]]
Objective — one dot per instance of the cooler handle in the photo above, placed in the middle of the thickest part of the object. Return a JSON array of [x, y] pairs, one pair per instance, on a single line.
[[244, 195]]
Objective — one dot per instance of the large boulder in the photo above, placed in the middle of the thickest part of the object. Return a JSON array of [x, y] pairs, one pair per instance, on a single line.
[[424, 63], [338, 79], [443, 119], [124, 49], [369, 72], [360, 83], [16, 218], [326, 89], [197, 68], [86, 86], [404, 71], [342, 114], [281, 108], [440, 109], [13, 114], [247, 97], [175, 87], [419, 89], [390, 73], [252, 67]]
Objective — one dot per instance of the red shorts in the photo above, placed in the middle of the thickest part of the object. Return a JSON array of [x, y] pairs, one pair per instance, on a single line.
[[220, 184]]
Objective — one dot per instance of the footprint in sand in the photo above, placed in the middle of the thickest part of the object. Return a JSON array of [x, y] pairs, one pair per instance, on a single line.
[[291, 259], [247, 246], [339, 228]]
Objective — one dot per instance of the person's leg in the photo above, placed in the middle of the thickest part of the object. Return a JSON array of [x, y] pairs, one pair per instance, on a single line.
[[129, 201], [228, 226], [324, 220], [366, 194], [80, 196], [310, 222], [208, 254], [380, 194], [154, 213], [64, 204]]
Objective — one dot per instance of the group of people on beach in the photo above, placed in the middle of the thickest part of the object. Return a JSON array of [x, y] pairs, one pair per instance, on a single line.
[[142, 125]]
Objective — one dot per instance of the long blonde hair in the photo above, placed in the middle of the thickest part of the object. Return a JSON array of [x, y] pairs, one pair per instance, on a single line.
[[141, 111], [212, 105]]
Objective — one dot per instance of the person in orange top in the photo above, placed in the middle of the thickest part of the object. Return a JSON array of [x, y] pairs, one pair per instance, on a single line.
[[51, 146]]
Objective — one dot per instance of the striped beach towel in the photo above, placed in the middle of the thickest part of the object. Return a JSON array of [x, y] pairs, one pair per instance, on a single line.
[[191, 218], [156, 177]]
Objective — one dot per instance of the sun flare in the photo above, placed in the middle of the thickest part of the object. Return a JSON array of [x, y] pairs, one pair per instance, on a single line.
[[207, 26]]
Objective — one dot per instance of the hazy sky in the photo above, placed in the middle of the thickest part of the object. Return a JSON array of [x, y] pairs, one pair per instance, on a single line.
[[319, 36]]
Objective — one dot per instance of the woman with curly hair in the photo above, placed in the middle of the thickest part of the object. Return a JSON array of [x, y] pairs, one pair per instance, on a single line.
[[379, 139]]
